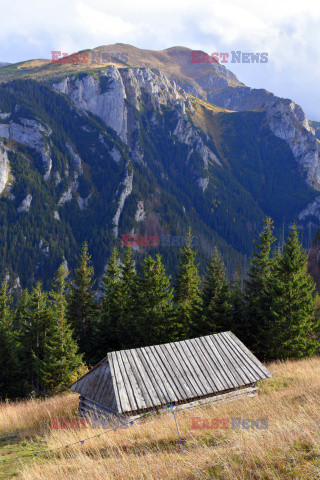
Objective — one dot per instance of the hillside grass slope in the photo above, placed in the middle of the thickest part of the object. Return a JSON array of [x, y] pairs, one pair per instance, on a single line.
[[288, 449]]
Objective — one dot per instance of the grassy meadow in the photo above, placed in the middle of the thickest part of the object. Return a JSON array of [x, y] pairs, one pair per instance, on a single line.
[[149, 449]]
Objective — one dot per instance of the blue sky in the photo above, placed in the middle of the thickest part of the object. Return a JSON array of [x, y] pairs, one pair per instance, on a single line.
[[288, 30]]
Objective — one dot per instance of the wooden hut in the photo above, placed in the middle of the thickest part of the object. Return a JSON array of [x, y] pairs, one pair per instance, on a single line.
[[132, 382]]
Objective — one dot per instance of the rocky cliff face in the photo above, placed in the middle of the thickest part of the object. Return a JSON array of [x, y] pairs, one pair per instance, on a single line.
[[286, 120], [241, 98], [316, 127], [94, 154], [111, 94], [176, 63], [166, 77], [218, 85], [4, 168], [30, 133]]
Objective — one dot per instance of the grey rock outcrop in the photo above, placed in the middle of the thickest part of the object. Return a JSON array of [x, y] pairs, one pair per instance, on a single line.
[[26, 204], [32, 134], [127, 189], [287, 121], [4, 168], [110, 93]]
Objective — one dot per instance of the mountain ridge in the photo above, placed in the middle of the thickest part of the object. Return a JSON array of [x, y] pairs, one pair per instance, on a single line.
[[117, 149]]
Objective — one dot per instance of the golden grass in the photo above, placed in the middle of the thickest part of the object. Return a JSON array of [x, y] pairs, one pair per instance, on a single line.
[[210, 106], [207, 117], [30, 417], [149, 449]]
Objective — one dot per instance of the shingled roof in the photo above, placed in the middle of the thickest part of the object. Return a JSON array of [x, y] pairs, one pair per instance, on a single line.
[[148, 377]]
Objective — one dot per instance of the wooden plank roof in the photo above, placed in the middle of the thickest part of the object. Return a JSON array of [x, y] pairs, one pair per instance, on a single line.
[[149, 377]]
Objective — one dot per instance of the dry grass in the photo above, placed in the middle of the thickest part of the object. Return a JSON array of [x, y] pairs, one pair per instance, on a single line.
[[288, 449], [207, 117], [30, 417]]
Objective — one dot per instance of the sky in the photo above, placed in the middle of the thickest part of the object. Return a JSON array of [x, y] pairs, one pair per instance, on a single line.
[[289, 31]]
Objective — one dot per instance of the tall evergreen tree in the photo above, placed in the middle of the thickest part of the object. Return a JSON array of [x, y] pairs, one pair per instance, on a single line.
[[106, 328], [5, 301], [8, 347], [153, 303], [81, 303], [187, 297], [215, 313], [61, 361], [238, 307], [126, 328], [257, 307], [22, 310], [292, 328], [32, 335]]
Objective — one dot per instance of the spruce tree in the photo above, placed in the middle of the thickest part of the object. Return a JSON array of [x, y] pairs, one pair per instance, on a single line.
[[215, 314], [8, 348], [21, 310], [257, 306], [61, 362], [5, 302], [153, 299], [291, 331], [81, 303], [127, 325], [32, 335], [187, 297], [105, 337], [238, 307], [20, 316]]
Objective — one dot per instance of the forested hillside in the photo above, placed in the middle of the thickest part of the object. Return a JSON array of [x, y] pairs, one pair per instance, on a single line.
[[177, 160], [49, 339]]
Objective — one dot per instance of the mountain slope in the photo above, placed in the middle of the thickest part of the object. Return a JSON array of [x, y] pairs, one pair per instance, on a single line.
[[316, 127], [208, 81], [93, 152]]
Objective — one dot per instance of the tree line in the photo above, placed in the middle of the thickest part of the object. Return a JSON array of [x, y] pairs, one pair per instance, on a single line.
[[51, 338]]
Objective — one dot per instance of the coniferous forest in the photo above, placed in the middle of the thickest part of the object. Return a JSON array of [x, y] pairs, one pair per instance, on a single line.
[[49, 338]]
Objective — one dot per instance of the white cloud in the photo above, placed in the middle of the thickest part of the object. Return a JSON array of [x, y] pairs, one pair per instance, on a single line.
[[97, 22], [287, 30]]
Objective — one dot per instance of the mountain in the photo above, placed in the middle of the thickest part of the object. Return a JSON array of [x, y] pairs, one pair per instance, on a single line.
[[4, 64], [316, 127], [147, 143]]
